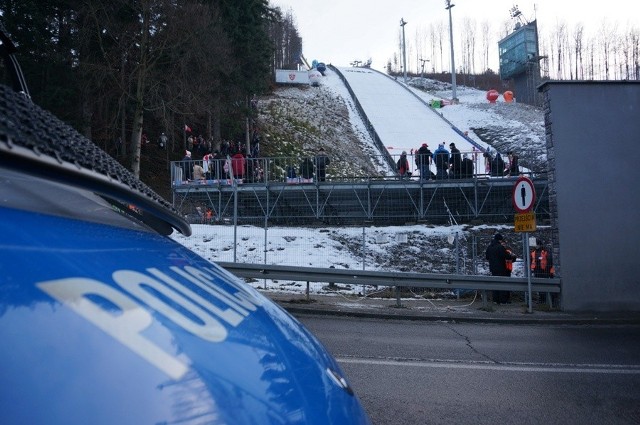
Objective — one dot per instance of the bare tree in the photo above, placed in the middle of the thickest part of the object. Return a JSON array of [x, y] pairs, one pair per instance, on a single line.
[[469, 49], [592, 59], [435, 59], [633, 46], [440, 42], [485, 32], [559, 42], [578, 38], [606, 38]]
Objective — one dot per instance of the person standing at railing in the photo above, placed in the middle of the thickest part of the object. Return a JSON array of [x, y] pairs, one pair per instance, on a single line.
[[225, 148], [306, 170], [514, 169], [455, 162], [216, 161], [322, 161], [238, 164], [403, 166], [187, 166], [497, 166], [292, 177], [198, 173], [423, 161], [206, 165], [441, 159], [467, 167], [487, 161]]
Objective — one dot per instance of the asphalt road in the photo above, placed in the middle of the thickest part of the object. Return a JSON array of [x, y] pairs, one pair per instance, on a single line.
[[408, 372]]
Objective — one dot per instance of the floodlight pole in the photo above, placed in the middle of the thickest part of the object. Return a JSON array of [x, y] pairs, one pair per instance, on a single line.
[[404, 50], [453, 63]]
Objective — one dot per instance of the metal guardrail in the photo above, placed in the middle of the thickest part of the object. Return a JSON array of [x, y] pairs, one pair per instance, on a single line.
[[396, 279]]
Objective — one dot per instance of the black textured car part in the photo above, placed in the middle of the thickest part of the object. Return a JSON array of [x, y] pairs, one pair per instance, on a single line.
[[34, 141]]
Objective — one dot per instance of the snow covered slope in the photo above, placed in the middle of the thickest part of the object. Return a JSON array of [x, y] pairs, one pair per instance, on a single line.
[[402, 120]]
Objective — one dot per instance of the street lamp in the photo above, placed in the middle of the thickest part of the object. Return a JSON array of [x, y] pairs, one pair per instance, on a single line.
[[453, 63], [404, 50]]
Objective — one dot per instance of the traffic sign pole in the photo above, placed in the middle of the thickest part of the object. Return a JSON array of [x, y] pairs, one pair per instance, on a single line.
[[524, 195], [527, 260]]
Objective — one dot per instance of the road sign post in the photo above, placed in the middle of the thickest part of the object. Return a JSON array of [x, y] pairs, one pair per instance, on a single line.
[[524, 195]]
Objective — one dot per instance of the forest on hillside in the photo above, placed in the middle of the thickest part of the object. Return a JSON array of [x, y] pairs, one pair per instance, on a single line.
[[122, 71]]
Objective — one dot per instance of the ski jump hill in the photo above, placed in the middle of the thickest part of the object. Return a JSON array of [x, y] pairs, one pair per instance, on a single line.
[[396, 117]]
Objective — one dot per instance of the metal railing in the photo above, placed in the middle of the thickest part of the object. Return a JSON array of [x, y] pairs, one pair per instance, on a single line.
[[264, 170], [280, 191], [392, 279]]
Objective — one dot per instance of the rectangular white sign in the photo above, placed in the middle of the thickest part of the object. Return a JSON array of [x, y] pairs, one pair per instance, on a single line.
[[291, 76]]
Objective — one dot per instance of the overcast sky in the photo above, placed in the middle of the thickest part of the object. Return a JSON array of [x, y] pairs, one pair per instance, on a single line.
[[341, 31]]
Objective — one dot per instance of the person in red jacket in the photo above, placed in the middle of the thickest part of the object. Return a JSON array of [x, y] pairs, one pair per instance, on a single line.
[[403, 166], [238, 165]]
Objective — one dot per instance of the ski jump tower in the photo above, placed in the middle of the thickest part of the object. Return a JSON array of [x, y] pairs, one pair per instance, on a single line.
[[520, 59]]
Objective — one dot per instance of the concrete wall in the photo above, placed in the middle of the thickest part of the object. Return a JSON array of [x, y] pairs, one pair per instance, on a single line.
[[593, 143]]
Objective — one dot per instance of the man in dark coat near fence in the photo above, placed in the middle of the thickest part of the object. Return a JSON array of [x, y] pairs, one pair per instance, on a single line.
[[455, 162], [423, 161], [498, 256]]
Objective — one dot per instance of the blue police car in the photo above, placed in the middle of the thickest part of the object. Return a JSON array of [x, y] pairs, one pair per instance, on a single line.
[[104, 319]]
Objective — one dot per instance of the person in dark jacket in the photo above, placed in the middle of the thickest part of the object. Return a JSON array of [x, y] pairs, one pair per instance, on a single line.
[[467, 167], [499, 256], [497, 166], [215, 165], [455, 162], [514, 168], [322, 161], [423, 161], [187, 166], [307, 169]]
